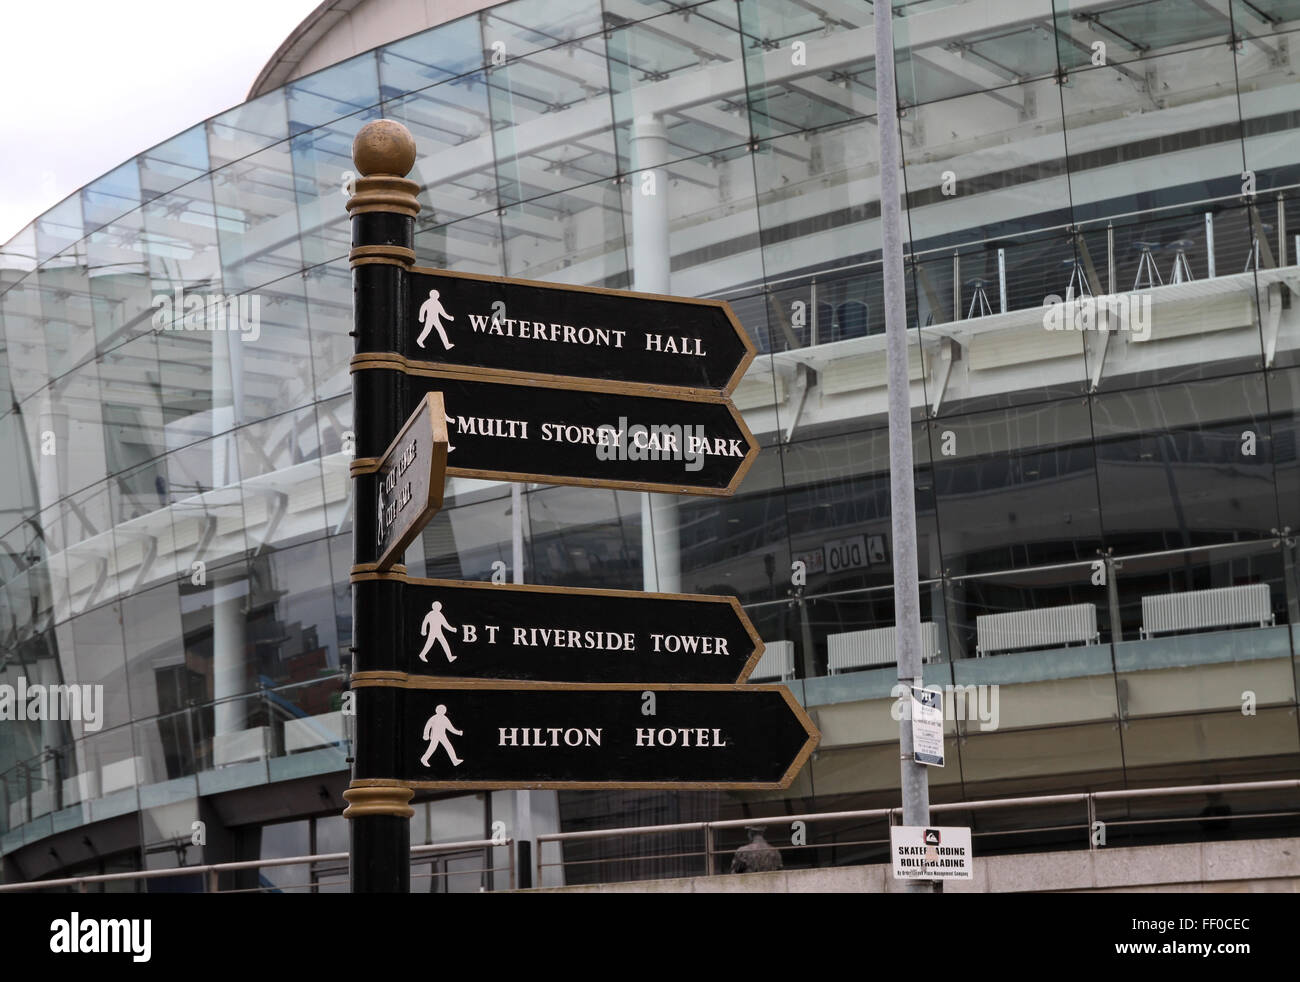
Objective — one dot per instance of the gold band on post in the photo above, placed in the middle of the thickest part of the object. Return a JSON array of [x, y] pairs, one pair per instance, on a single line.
[[365, 801]]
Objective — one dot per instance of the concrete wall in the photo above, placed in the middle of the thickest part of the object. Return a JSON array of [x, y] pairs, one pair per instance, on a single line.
[[1251, 866]]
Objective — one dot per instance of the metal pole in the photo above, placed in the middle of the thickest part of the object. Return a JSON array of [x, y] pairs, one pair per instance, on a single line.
[[907, 600], [1281, 230], [523, 799], [1110, 259], [1209, 245], [1002, 279], [383, 209], [956, 275]]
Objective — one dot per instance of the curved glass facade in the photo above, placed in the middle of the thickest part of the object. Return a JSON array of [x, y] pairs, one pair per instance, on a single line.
[[175, 510]]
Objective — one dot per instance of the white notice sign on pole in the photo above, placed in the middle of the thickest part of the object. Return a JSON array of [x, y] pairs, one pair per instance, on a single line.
[[931, 852], [927, 726]]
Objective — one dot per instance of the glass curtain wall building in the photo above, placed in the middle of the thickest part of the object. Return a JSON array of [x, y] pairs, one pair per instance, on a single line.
[[1108, 491]]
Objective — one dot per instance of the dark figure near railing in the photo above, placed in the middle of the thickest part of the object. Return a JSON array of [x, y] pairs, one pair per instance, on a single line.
[[756, 856]]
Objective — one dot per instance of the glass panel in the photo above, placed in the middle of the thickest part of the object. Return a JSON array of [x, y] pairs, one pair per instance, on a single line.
[[429, 57], [111, 196], [256, 219], [683, 70], [525, 26], [59, 228], [584, 538], [329, 314], [948, 49], [326, 96], [454, 163], [1156, 133], [281, 479], [713, 233], [802, 67], [551, 120], [322, 157], [472, 245], [817, 207], [174, 162], [1284, 423], [1016, 487], [985, 165], [572, 237], [1184, 464], [337, 448], [121, 293], [247, 128], [270, 355]]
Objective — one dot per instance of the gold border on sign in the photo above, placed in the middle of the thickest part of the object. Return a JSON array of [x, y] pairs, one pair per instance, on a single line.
[[812, 739], [359, 575], [746, 359], [396, 363]]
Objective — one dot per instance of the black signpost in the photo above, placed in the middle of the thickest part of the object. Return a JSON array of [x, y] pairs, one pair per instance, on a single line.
[[460, 685], [499, 326], [476, 735], [467, 630]]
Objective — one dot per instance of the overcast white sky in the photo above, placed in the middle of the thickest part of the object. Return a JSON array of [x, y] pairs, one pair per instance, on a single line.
[[89, 83]]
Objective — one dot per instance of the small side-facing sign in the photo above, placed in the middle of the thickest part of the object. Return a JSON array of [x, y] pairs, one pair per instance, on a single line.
[[474, 734], [411, 478], [931, 852], [461, 629], [927, 726]]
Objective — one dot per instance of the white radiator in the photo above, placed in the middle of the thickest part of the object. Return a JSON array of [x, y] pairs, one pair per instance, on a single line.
[[861, 649], [777, 663], [1227, 606], [313, 731], [1036, 628]]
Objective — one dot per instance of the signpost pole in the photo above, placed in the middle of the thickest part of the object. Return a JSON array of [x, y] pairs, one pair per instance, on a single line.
[[907, 607], [383, 209]]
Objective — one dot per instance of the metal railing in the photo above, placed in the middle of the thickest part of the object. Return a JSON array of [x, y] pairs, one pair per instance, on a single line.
[[211, 873], [1088, 800]]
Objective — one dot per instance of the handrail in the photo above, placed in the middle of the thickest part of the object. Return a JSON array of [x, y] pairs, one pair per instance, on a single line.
[[1090, 798], [211, 869]]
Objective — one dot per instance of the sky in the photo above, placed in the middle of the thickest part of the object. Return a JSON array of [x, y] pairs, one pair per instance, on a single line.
[[90, 83]]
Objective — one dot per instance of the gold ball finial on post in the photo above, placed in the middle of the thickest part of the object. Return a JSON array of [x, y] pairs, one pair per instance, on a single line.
[[384, 153], [384, 146]]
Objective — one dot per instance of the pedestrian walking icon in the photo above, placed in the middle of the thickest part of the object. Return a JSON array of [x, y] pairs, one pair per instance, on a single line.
[[435, 731], [431, 314], [432, 627]]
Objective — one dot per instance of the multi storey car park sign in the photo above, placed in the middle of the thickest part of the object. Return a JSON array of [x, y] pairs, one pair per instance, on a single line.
[[462, 735], [473, 685], [498, 326], [619, 436], [459, 629]]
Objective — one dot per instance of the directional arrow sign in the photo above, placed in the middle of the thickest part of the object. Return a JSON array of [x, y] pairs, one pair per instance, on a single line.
[[552, 433], [542, 735], [459, 629], [411, 479], [488, 324]]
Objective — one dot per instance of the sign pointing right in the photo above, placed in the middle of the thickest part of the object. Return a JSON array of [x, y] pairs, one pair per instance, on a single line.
[[501, 326], [462, 629], [541, 735]]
